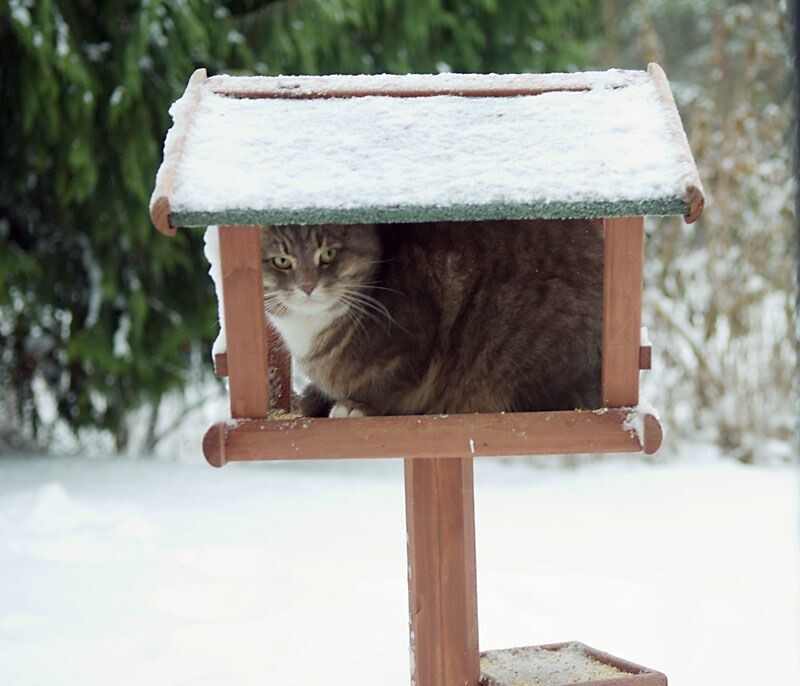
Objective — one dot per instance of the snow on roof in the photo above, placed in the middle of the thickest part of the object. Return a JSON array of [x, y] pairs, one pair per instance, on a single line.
[[360, 149]]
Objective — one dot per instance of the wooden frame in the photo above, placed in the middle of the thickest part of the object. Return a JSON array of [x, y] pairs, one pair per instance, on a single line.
[[438, 450], [479, 435]]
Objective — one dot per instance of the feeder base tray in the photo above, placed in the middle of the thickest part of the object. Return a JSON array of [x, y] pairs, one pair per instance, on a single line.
[[562, 664]]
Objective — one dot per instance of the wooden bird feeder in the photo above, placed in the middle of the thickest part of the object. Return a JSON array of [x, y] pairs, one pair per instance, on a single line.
[[250, 151]]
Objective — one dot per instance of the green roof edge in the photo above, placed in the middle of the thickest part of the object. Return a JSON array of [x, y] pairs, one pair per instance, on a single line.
[[428, 213]]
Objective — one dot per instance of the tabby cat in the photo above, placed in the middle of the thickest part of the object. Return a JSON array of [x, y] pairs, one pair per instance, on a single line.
[[439, 318]]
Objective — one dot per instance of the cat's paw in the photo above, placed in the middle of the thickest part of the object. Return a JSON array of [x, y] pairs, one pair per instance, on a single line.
[[347, 409]]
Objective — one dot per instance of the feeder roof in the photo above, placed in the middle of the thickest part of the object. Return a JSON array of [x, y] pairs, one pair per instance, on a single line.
[[362, 149]]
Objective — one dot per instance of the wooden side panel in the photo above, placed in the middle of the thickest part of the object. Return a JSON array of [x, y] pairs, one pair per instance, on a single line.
[[443, 608], [246, 329], [622, 310]]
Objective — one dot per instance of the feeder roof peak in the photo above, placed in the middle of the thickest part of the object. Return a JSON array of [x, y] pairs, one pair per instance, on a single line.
[[424, 147]]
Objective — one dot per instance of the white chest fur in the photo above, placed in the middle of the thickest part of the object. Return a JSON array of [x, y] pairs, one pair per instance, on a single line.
[[299, 331]]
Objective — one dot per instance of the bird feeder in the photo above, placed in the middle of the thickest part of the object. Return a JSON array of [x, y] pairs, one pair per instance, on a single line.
[[245, 152]]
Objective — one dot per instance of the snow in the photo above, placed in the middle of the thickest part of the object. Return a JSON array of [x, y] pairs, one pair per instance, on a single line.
[[121, 347], [421, 84], [20, 11], [635, 420], [138, 571], [532, 666], [211, 251], [610, 143]]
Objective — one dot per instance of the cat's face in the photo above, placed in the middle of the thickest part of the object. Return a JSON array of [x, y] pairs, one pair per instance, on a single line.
[[314, 269]]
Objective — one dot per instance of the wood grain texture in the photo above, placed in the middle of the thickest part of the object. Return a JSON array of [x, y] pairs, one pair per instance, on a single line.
[[622, 310], [653, 435], [221, 365], [467, 85], [443, 606], [334, 92], [165, 179], [246, 329], [280, 371], [693, 187], [430, 436]]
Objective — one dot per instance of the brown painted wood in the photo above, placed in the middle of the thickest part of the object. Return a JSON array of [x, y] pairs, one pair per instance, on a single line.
[[645, 357], [503, 86], [221, 365], [245, 326], [430, 436], [165, 180], [653, 435], [321, 94], [160, 211], [214, 445], [443, 606], [693, 187], [622, 310], [280, 371]]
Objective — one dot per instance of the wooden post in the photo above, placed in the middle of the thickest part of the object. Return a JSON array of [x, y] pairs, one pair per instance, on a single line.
[[443, 600], [279, 363], [622, 310], [246, 329]]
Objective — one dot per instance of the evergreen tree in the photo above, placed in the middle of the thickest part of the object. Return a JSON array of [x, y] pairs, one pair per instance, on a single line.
[[94, 305]]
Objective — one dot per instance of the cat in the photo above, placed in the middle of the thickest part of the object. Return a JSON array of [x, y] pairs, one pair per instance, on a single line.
[[446, 317]]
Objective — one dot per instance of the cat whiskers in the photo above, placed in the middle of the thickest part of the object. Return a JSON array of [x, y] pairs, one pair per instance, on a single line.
[[384, 288], [271, 301], [358, 309], [368, 306]]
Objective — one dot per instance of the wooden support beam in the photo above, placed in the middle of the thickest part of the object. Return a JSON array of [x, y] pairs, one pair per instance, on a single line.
[[622, 310], [430, 436], [279, 363], [442, 590], [221, 365], [246, 329]]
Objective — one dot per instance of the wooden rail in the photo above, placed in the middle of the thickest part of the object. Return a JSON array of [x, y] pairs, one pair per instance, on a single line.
[[430, 436]]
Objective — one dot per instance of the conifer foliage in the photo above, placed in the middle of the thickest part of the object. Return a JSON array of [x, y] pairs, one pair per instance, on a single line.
[[97, 311]]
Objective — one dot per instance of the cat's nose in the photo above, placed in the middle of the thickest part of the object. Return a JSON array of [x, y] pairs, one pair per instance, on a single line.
[[308, 288]]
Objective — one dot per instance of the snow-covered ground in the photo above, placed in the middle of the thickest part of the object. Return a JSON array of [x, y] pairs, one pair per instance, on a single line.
[[121, 571]]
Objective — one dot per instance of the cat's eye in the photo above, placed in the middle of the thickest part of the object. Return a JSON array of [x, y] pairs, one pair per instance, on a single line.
[[282, 262], [328, 256]]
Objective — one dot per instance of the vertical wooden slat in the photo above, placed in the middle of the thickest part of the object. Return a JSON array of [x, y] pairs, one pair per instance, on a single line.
[[622, 310], [280, 369], [245, 326], [442, 589]]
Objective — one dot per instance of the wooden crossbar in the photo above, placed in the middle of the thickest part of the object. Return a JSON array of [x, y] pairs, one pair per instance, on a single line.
[[431, 436]]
